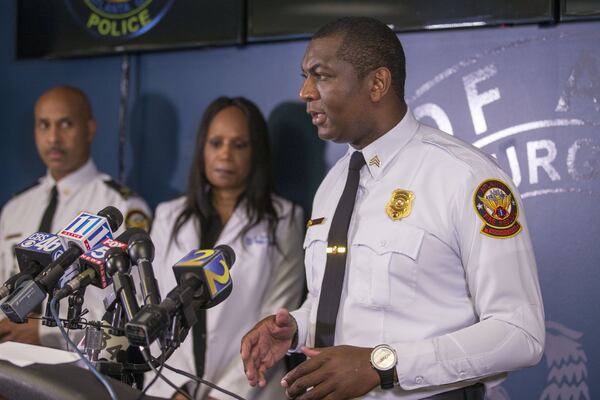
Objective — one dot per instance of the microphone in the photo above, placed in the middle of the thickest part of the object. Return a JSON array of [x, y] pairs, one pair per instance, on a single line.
[[93, 263], [87, 230], [141, 253], [84, 232], [118, 266], [33, 268], [33, 254], [203, 281]]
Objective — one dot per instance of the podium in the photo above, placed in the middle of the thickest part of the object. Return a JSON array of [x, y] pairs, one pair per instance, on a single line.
[[65, 381]]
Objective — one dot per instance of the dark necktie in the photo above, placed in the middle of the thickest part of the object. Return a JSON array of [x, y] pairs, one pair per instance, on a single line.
[[335, 268], [46, 223]]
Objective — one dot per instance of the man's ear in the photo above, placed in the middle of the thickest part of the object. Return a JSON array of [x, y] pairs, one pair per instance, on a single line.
[[381, 82]]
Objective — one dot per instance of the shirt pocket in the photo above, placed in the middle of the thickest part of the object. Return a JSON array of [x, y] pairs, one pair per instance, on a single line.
[[384, 265], [315, 256]]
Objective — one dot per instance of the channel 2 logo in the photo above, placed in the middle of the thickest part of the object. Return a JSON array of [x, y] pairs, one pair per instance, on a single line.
[[214, 267]]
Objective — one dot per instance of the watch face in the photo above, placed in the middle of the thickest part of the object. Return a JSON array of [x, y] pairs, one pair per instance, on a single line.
[[383, 358]]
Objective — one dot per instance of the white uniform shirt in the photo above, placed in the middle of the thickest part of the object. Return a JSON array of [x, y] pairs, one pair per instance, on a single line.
[[84, 190], [264, 280], [456, 304]]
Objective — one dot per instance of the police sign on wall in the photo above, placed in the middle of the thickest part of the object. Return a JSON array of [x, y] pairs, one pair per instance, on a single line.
[[118, 19], [67, 28]]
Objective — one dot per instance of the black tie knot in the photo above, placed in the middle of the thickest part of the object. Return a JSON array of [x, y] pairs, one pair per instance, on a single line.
[[356, 161]]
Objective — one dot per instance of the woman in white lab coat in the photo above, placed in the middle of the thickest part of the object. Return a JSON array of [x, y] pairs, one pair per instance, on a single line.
[[229, 200]]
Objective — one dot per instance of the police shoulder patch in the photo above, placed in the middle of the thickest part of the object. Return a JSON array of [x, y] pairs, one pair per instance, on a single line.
[[496, 206], [123, 190], [137, 218]]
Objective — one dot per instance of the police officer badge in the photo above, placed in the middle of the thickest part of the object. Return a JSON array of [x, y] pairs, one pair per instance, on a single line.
[[400, 205], [497, 207]]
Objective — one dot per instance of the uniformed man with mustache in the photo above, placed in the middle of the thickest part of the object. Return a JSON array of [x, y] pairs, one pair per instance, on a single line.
[[64, 130]]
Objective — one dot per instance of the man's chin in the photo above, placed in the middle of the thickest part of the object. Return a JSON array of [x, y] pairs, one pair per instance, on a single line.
[[326, 134], [59, 170], [54, 164]]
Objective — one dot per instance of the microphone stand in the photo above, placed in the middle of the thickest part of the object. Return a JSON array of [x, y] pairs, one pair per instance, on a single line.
[[75, 310], [122, 364], [48, 320], [127, 366]]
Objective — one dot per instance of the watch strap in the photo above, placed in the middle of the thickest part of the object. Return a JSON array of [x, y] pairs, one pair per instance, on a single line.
[[386, 378]]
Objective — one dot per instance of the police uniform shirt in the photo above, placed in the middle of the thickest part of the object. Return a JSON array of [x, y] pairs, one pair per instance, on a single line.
[[86, 189], [264, 280], [440, 264]]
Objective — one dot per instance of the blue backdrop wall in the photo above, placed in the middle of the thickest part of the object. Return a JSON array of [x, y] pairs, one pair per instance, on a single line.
[[528, 95]]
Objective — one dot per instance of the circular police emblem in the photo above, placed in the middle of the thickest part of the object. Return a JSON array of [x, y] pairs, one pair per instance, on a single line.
[[137, 219], [498, 209], [118, 19]]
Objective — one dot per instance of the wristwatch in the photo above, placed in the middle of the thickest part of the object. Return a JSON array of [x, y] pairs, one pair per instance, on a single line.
[[384, 360]]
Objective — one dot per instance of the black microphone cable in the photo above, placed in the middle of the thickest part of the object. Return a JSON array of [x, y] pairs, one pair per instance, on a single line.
[[158, 373], [204, 382], [102, 379]]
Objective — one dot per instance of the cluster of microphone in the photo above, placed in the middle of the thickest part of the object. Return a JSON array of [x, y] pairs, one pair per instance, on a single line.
[[43, 263], [86, 253]]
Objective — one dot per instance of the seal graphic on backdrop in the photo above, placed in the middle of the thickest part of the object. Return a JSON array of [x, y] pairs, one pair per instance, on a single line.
[[540, 123], [118, 19], [512, 95]]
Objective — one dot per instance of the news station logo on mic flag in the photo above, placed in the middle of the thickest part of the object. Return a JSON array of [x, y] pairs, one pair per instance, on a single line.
[[215, 271], [87, 230], [39, 242], [96, 259], [97, 255]]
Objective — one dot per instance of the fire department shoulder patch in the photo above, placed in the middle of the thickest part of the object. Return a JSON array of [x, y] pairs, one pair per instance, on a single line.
[[497, 207]]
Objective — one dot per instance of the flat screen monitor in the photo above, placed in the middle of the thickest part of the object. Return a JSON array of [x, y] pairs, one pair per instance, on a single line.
[[67, 28], [277, 19], [576, 10]]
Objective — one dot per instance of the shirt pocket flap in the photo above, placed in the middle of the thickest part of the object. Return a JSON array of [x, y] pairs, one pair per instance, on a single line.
[[405, 239]]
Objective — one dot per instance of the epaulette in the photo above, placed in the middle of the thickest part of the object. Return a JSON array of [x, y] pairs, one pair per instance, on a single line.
[[123, 190], [26, 188]]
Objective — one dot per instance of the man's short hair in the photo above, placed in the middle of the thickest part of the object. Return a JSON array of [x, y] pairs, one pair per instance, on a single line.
[[368, 44]]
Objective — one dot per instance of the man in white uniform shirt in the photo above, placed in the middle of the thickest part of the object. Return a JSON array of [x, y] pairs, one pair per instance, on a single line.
[[438, 291], [64, 130]]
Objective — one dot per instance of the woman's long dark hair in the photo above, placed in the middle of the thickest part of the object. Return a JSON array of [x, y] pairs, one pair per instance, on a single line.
[[259, 203]]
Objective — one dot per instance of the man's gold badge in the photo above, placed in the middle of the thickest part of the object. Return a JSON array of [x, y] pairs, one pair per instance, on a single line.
[[400, 205]]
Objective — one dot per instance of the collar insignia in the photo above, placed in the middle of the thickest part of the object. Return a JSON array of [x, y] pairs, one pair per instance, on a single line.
[[375, 161], [316, 221], [400, 204]]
